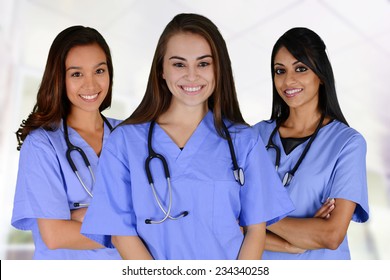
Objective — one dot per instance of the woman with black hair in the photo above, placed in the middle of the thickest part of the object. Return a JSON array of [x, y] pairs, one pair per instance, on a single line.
[[319, 158]]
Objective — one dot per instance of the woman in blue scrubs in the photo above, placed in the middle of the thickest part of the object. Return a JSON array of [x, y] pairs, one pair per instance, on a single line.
[[50, 199], [195, 211], [319, 158]]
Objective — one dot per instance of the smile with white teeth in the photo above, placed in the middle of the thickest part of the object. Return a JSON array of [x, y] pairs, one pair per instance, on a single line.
[[89, 97], [292, 91], [191, 89]]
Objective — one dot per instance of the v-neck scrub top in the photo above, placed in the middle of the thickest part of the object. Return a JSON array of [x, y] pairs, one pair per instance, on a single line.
[[202, 184], [334, 167], [47, 188]]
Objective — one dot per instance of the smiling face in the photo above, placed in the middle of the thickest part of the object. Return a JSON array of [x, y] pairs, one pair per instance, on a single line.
[[296, 83], [87, 78], [188, 70]]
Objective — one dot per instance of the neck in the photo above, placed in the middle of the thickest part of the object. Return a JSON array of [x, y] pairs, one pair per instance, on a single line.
[[89, 126], [186, 116], [86, 121], [180, 124], [300, 124]]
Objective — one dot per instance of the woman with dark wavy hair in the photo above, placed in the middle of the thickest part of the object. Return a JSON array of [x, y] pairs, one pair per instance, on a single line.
[[319, 158], [60, 143], [188, 198]]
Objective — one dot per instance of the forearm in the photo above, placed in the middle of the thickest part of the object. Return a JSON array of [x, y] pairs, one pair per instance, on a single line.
[[317, 233], [305, 233], [65, 234], [275, 243], [253, 245], [131, 248]]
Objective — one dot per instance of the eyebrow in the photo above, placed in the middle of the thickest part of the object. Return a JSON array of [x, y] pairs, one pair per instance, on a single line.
[[281, 64], [198, 58], [78, 67]]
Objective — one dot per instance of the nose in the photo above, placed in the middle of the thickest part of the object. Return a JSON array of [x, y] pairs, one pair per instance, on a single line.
[[290, 78], [89, 82], [192, 74]]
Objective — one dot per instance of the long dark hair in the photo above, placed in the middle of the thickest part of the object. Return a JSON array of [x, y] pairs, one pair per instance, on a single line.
[[52, 103], [223, 102], [307, 47]]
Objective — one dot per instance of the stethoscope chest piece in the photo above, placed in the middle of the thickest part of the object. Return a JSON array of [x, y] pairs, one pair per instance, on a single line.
[[239, 176], [287, 179], [290, 174]]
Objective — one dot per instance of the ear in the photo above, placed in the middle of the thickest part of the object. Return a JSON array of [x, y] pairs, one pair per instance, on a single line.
[[162, 75]]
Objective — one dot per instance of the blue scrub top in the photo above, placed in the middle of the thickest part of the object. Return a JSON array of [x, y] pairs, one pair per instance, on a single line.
[[202, 184], [47, 187], [334, 167]]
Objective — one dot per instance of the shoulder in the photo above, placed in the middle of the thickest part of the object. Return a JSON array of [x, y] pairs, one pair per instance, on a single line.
[[127, 133], [40, 135], [343, 133], [244, 136], [131, 129], [42, 141], [264, 128], [114, 122], [337, 138], [242, 130]]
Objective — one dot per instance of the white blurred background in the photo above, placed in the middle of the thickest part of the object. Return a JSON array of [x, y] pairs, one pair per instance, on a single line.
[[356, 32]]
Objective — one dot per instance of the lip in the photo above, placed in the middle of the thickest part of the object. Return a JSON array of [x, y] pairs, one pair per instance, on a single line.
[[89, 97], [192, 90], [292, 92]]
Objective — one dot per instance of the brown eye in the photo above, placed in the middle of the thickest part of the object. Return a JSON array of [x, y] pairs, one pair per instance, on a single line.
[[76, 74], [178, 64], [301, 69], [204, 64]]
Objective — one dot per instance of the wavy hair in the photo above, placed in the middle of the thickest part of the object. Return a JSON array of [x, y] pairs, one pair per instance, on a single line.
[[52, 103]]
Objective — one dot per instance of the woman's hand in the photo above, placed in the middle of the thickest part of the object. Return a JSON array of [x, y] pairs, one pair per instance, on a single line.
[[326, 209]]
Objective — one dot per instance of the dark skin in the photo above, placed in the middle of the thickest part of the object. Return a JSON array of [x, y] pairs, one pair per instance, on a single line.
[[298, 86]]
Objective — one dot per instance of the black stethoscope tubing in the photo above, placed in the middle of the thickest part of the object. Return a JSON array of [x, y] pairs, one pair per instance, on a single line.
[[290, 174], [237, 172], [72, 148]]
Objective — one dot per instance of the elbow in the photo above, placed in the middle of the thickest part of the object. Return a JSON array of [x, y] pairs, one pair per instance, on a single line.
[[333, 240], [114, 240], [51, 243]]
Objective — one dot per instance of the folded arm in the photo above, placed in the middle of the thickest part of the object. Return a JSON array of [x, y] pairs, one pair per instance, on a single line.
[[321, 231], [65, 234]]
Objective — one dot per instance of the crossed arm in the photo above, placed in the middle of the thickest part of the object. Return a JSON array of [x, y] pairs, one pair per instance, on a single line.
[[326, 229], [65, 234]]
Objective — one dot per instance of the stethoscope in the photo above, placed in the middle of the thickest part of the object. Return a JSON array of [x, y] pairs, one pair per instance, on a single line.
[[72, 148], [271, 145], [237, 172]]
